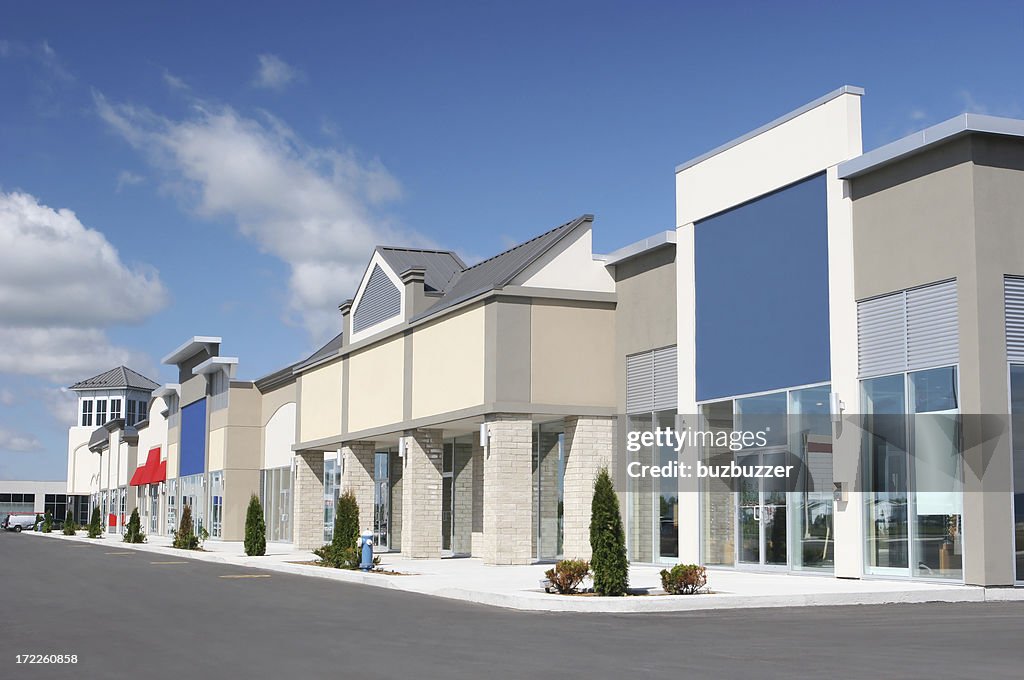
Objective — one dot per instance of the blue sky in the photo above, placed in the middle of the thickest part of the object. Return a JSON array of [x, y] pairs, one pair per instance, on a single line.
[[224, 169]]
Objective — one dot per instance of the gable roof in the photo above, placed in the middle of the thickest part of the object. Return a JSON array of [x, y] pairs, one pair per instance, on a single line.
[[498, 271], [284, 375], [115, 378], [440, 265]]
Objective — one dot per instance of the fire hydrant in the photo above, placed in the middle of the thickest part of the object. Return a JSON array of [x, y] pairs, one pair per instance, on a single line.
[[366, 545]]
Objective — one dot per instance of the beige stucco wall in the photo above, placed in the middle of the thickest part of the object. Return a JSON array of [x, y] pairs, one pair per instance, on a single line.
[[448, 364], [217, 449], [375, 385], [573, 346], [320, 395]]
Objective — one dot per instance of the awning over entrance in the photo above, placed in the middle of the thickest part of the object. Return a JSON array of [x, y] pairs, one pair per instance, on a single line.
[[155, 470]]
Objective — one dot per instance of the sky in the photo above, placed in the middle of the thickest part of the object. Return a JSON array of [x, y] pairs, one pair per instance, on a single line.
[[179, 169]]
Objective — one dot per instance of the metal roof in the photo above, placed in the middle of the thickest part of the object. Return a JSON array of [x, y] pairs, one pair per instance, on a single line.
[[115, 378], [499, 270], [963, 124], [440, 265]]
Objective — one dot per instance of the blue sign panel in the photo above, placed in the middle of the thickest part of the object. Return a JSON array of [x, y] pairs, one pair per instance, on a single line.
[[761, 276], [193, 439]]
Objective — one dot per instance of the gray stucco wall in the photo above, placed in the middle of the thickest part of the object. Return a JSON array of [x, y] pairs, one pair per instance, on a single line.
[[957, 211]]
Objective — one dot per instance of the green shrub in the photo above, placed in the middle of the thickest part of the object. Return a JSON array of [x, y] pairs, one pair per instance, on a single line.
[[346, 521], [567, 575], [607, 539], [70, 527], [684, 579], [95, 525], [134, 534], [185, 537], [343, 551], [255, 528], [47, 522]]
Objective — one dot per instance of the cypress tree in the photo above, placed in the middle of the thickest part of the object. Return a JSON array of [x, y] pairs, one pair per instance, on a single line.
[[185, 536], [95, 526], [69, 524], [134, 534], [47, 522], [346, 522], [255, 528], [607, 539]]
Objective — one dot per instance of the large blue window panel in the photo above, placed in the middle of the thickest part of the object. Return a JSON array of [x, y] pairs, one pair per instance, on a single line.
[[193, 439], [761, 277]]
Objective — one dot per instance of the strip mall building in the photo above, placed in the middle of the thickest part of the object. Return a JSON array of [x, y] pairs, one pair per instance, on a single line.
[[857, 308]]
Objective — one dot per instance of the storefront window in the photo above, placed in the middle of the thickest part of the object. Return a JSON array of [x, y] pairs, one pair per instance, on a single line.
[[276, 497], [811, 502], [913, 474], [1017, 424]]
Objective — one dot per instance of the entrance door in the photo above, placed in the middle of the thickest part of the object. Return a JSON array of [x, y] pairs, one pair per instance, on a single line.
[[381, 501], [761, 515]]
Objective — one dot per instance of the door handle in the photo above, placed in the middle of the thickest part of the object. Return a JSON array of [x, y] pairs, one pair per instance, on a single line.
[[757, 513]]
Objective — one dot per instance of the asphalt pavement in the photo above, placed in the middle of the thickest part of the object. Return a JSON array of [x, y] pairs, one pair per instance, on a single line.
[[130, 614]]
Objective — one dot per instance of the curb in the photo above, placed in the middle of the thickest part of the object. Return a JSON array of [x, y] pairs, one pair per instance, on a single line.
[[540, 602]]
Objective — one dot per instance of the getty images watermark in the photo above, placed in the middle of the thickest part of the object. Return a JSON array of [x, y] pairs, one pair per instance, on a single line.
[[735, 440]]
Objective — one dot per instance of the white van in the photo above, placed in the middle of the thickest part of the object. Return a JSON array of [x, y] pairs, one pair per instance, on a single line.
[[20, 521]]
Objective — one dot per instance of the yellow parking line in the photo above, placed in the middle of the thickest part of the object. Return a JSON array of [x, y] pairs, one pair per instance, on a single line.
[[246, 576], [174, 562]]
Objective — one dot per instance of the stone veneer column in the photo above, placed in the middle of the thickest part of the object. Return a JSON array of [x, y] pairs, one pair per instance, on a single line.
[[589, 443], [357, 477], [508, 490], [421, 494], [308, 513]]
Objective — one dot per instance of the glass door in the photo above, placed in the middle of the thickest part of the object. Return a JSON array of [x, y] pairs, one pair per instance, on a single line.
[[447, 496], [761, 515], [381, 501]]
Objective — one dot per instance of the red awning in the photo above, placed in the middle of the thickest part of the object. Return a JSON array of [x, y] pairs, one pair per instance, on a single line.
[[152, 472]]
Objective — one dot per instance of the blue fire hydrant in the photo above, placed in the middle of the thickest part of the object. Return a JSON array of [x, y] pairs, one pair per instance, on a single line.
[[366, 544]]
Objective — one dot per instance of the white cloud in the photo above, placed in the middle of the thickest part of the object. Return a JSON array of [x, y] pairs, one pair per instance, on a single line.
[[174, 82], [65, 354], [127, 178], [15, 441], [6, 397], [61, 285], [312, 207], [274, 73], [54, 271]]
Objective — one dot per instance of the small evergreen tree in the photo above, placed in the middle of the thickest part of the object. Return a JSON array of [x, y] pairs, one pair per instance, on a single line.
[[185, 537], [47, 522], [346, 522], [70, 526], [607, 539], [255, 528], [342, 552], [134, 534], [95, 526]]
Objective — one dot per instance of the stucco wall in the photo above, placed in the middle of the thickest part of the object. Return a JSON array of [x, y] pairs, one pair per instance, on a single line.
[[375, 387], [573, 346], [320, 397], [448, 364]]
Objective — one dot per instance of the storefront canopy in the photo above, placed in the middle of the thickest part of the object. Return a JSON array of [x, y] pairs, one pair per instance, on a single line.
[[155, 470]]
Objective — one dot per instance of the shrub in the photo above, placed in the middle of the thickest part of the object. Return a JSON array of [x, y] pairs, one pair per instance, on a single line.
[[47, 522], [343, 551], [607, 539], [95, 525], [70, 527], [255, 528], [185, 538], [684, 579], [567, 575], [134, 534]]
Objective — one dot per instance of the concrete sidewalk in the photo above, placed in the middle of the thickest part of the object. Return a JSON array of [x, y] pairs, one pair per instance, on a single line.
[[516, 587]]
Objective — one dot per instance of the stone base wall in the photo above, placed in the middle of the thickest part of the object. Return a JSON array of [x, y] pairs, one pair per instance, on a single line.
[[309, 500], [589, 443]]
